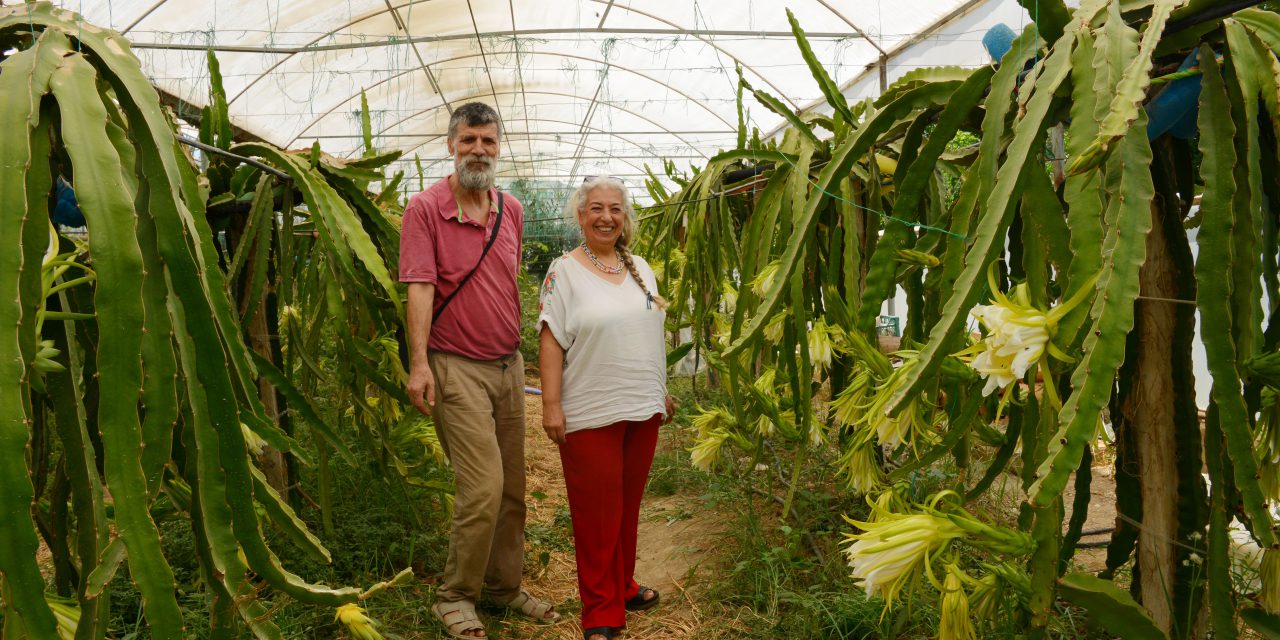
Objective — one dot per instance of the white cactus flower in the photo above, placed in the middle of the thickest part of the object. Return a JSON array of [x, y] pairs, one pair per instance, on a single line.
[[893, 550], [1017, 335]]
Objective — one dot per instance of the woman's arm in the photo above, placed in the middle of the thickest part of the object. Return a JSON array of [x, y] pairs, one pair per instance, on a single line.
[[551, 365]]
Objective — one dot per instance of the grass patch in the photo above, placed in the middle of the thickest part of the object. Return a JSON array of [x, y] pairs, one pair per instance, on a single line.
[[376, 535], [556, 535]]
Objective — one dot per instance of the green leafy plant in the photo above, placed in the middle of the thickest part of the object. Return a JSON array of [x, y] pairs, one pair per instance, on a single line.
[[782, 252], [142, 360]]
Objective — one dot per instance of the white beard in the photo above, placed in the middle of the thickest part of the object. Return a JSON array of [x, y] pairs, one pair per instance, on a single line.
[[471, 179]]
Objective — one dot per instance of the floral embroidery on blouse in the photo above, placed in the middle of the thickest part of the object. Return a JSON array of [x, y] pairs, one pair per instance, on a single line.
[[548, 288]]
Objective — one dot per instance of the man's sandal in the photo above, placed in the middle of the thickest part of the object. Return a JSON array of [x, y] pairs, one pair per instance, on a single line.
[[608, 632], [531, 607], [639, 603], [459, 618]]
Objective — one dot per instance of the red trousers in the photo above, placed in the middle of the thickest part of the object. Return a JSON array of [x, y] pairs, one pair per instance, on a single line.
[[605, 470]]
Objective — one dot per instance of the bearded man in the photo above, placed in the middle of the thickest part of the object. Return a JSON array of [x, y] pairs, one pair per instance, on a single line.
[[459, 254]]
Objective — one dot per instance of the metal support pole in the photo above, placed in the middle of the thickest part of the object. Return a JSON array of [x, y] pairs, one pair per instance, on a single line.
[[884, 72], [191, 142]]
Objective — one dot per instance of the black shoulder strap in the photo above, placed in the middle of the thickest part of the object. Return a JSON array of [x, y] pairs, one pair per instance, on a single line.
[[497, 226]]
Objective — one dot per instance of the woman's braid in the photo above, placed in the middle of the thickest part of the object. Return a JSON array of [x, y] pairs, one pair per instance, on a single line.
[[625, 254]]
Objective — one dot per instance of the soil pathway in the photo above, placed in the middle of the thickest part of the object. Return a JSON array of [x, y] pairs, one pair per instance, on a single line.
[[676, 555]]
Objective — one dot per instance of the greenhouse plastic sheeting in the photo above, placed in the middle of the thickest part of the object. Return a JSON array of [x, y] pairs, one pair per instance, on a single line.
[[585, 87]]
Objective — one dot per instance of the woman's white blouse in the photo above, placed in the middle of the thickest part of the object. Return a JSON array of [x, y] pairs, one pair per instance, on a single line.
[[615, 365]]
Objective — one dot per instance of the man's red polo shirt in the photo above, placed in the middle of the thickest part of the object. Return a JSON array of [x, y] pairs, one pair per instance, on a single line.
[[436, 247]]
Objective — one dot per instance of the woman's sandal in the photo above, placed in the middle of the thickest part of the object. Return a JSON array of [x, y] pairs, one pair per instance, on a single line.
[[608, 632], [639, 603], [458, 618], [531, 607]]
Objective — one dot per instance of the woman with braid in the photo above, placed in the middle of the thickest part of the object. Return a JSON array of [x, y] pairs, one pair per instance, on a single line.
[[604, 394]]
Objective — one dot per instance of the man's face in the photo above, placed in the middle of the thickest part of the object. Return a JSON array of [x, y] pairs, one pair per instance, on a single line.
[[475, 155]]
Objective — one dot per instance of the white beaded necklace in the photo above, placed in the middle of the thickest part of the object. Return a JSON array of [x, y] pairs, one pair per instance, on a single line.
[[596, 261]]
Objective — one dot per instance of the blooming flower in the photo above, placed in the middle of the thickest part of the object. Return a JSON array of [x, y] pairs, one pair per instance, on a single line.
[[1016, 340], [955, 623], [893, 550], [998, 371], [712, 420], [1017, 334], [817, 433]]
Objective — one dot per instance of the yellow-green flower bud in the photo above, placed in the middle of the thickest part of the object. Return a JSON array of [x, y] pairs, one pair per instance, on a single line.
[[706, 451], [764, 279], [986, 597], [861, 467], [849, 405], [955, 623], [773, 330], [67, 617], [911, 256], [821, 346], [1270, 595], [360, 625], [252, 440]]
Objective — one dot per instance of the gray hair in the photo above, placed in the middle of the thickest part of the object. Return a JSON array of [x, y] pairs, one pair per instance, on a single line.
[[473, 114], [578, 200]]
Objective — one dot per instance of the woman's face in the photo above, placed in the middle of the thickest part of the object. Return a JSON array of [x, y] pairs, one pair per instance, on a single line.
[[601, 216]]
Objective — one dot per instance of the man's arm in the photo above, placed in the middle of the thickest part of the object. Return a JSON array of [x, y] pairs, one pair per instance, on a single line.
[[421, 383]]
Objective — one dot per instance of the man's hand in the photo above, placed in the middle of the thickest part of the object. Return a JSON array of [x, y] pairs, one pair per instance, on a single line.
[[553, 422], [671, 410], [422, 385]]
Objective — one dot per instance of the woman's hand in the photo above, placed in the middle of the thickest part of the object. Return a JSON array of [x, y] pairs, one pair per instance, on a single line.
[[553, 422], [671, 410]]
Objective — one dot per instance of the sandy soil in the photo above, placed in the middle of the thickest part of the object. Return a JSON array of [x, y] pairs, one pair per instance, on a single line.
[[676, 554], [1001, 504]]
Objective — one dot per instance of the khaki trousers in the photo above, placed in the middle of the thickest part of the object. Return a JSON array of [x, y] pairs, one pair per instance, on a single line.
[[479, 416]]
